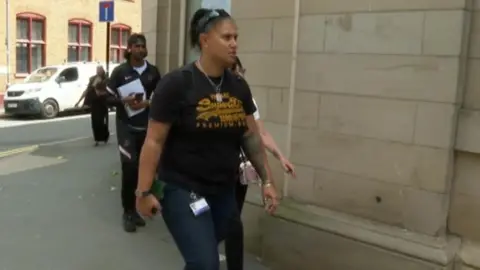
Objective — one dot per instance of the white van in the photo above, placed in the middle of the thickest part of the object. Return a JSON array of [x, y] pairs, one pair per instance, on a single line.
[[50, 90]]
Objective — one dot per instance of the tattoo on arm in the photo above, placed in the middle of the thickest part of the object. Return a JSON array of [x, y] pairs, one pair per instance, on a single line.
[[255, 153]]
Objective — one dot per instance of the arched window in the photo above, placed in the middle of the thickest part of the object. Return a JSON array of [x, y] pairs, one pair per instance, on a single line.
[[30, 42], [79, 40], [118, 41]]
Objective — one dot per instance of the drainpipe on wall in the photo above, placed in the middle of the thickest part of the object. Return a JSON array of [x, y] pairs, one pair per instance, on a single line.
[[7, 38], [293, 69], [182, 30], [169, 36]]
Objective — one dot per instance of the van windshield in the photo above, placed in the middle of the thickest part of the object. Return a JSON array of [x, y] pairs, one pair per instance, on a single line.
[[41, 75]]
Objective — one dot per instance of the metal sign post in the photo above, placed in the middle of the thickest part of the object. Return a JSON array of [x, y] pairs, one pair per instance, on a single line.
[[106, 13]]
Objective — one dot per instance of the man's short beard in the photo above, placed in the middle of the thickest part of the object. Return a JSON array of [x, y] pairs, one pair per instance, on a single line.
[[139, 56]]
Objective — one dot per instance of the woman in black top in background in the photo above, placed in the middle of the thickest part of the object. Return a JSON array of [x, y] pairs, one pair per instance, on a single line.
[[201, 116], [96, 98]]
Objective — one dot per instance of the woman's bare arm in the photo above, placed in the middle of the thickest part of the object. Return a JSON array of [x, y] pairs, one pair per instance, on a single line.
[[85, 91], [268, 141], [273, 148], [157, 133]]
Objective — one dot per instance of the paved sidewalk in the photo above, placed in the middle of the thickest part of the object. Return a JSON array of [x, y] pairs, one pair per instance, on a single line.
[[60, 210]]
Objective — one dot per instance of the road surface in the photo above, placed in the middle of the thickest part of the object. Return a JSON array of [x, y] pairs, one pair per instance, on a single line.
[[59, 204]]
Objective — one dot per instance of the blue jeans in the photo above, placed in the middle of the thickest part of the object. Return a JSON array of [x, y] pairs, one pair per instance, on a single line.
[[197, 237]]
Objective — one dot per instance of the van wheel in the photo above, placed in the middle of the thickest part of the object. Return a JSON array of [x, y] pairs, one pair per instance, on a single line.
[[50, 109]]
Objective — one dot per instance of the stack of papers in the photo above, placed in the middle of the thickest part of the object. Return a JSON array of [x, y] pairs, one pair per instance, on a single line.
[[129, 89]]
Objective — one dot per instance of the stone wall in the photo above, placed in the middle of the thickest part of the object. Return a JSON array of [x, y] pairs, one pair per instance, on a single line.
[[464, 215], [377, 88]]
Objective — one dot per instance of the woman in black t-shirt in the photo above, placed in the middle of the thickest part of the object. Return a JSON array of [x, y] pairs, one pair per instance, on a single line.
[[201, 116], [96, 98]]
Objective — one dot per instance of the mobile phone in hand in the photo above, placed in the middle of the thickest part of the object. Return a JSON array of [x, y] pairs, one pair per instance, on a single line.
[[139, 96]]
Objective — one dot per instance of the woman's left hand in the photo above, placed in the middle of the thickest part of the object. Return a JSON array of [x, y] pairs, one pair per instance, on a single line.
[[270, 198], [288, 166]]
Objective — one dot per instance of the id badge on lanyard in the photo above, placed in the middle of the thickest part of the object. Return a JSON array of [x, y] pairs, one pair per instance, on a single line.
[[198, 205]]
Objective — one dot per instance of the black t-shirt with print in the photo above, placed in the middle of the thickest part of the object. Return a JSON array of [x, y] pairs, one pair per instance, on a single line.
[[202, 150]]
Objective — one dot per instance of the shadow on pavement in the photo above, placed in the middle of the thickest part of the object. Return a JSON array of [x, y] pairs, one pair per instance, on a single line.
[[60, 210]]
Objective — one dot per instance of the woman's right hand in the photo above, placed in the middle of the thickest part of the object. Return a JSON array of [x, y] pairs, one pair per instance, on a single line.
[[148, 206]]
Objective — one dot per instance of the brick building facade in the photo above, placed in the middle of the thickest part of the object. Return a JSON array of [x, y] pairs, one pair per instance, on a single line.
[[56, 31], [376, 102]]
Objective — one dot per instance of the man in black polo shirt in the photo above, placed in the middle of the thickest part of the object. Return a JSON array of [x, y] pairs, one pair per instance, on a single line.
[[131, 85]]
